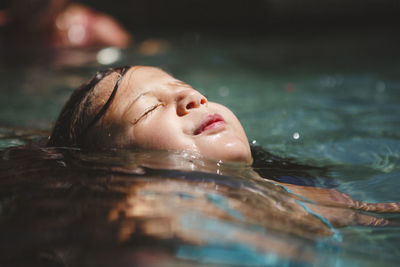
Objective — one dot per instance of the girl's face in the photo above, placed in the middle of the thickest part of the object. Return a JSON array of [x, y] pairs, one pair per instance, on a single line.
[[153, 110]]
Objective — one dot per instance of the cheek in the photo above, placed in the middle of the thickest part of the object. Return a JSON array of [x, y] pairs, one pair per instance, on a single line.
[[159, 133]]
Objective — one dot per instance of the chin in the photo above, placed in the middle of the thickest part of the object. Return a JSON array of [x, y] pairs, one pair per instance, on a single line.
[[240, 158], [237, 154], [226, 147]]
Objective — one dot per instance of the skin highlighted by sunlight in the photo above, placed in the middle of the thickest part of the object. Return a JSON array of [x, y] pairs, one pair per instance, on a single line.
[[151, 109]]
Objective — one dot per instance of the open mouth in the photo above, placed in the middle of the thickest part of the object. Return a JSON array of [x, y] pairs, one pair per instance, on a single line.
[[211, 122]]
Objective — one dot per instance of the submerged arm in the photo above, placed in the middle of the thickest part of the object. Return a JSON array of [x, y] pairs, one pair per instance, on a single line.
[[340, 209], [334, 198]]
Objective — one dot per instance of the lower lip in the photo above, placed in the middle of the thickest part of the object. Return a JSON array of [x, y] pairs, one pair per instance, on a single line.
[[214, 125]]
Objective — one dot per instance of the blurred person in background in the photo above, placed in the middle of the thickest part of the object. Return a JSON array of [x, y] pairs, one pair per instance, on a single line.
[[59, 23]]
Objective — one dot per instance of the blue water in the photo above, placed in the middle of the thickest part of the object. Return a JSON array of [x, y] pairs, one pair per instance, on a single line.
[[325, 100]]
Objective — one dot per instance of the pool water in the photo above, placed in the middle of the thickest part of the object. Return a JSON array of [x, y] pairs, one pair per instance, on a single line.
[[331, 101]]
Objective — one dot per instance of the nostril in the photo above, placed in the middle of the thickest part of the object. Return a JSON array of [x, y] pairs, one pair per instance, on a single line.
[[190, 105]]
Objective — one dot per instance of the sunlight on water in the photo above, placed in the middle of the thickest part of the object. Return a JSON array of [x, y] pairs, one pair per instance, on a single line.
[[325, 110]]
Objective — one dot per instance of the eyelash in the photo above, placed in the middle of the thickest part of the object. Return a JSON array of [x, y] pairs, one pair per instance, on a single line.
[[147, 112]]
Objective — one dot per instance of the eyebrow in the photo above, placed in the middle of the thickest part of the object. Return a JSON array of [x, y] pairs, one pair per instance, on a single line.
[[122, 71], [173, 84], [135, 100]]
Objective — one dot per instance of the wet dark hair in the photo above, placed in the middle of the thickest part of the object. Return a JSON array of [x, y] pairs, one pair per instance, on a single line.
[[75, 119], [286, 170]]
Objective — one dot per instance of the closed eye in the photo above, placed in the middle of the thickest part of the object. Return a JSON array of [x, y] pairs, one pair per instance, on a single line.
[[146, 113]]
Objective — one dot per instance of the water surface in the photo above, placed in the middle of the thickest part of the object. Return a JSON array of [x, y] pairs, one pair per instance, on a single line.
[[328, 101]]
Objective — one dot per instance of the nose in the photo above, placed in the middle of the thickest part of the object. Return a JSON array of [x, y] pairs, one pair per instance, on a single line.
[[188, 100]]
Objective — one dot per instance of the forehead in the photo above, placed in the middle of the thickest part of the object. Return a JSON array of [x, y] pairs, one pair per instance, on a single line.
[[139, 79]]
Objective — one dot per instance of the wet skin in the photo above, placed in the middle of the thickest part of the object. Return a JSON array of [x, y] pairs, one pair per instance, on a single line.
[[153, 110]]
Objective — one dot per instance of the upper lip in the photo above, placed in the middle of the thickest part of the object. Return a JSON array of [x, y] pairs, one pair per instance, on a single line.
[[210, 119]]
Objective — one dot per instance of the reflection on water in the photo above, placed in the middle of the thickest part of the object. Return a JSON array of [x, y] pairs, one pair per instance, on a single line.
[[72, 201], [334, 107], [65, 207]]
